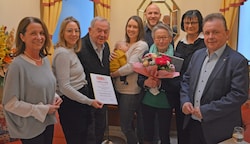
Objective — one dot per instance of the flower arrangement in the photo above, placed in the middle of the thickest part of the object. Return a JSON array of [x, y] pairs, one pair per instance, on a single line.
[[156, 66], [163, 62], [6, 50]]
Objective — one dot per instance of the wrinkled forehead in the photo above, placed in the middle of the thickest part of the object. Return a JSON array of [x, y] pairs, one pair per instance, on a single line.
[[103, 25]]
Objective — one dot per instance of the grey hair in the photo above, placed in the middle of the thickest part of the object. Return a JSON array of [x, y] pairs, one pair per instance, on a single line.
[[98, 18], [162, 26]]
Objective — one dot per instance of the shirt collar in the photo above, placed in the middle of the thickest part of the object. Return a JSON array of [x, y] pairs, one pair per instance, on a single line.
[[219, 51], [184, 40], [94, 45], [147, 28]]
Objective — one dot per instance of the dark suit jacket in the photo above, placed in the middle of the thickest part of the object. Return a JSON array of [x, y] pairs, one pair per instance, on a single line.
[[226, 90], [91, 62]]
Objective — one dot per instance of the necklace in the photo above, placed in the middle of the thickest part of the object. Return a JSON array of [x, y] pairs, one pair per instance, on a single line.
[[37, 60]]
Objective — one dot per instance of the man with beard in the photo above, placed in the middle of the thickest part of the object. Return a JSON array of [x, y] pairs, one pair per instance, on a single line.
[[153, 15]]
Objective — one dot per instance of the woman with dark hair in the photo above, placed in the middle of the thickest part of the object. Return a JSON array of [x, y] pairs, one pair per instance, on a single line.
[[129, 95], [29, 96], [191, 23]]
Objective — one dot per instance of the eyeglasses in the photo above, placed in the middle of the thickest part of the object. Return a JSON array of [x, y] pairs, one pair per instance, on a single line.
[[72, 30], [192, 23], [161, 38]]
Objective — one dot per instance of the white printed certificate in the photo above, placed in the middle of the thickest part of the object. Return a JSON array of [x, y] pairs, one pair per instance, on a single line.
[[103, 89]]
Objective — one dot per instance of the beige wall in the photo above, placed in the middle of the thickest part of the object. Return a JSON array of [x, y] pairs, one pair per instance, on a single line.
[[121, 10], [12, 11]]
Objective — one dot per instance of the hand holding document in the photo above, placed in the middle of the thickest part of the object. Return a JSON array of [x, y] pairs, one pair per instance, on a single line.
[[103, 89]]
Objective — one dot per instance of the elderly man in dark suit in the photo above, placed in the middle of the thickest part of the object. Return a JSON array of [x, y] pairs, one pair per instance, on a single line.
[[214, 86], [94, 57]]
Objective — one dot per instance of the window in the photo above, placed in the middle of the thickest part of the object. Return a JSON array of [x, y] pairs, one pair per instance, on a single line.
[[244, 30], [82, 10]]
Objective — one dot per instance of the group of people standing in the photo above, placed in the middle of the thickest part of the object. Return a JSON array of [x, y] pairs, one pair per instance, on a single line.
[[206, 97]]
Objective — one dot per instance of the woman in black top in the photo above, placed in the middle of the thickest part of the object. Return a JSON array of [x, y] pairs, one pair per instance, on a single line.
[[191, 23]]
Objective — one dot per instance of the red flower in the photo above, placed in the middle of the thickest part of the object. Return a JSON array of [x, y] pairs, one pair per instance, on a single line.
[[165, 57], [162, 60]]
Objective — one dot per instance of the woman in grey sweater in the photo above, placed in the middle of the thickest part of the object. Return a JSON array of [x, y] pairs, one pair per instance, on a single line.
[[71, 83], [29, 89]]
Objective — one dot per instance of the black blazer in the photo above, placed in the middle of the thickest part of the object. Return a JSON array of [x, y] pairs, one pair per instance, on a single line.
[[91, 62]]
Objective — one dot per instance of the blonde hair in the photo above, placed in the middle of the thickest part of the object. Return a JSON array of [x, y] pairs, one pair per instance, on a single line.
[[62, 42]]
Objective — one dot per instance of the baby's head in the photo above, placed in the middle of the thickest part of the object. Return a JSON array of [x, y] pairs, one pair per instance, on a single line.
[[121, 45]]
